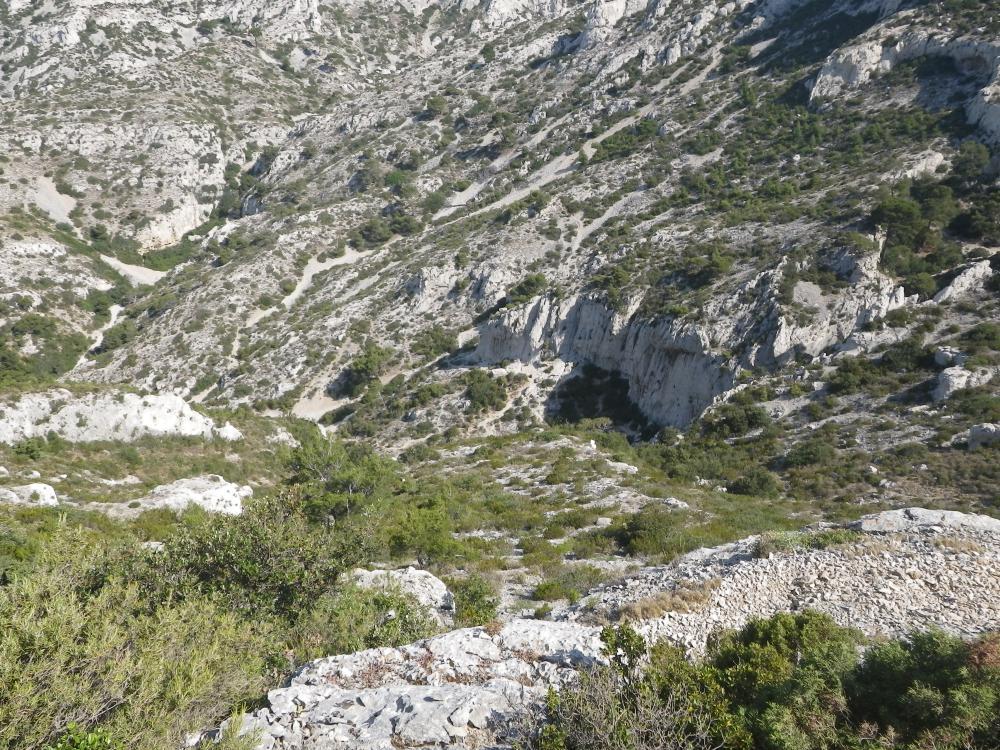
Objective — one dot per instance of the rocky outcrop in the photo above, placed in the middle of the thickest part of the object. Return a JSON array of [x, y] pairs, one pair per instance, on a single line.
[[36, 493], [673, 374], [461, 689], [466, 689], [105, 416], [916, 519], [426, 588], [949, 356], [908, 569], [983, 434], [833, 318], [856, 65], [968, 281], [676, 369], [210, 492], [952, 379]]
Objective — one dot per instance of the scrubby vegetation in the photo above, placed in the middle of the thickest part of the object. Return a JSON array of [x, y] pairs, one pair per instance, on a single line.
[[660, 190], [793, 681], [118, 644]]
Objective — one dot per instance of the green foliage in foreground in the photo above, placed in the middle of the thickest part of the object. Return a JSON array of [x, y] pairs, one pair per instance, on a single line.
[[114, 645], [110, 660], [791, 682], [76, 739]]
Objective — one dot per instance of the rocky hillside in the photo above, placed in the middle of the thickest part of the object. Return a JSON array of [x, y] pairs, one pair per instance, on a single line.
[[328, 327], [469, 688], [679, 194]]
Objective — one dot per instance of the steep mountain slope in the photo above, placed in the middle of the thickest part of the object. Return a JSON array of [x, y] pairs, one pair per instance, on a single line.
[[556, 312], [772, 225], [629, 174]]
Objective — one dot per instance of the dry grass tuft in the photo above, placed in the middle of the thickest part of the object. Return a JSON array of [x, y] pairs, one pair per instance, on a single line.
[[687, 597], [956, 544]]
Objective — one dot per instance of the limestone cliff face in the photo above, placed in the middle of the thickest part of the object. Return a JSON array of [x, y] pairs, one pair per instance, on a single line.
[[675, 368], [673, 375], [856, 65], [832, 318]]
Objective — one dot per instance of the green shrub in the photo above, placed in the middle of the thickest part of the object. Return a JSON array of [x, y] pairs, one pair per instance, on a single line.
[[815, 451], [76, 739], [354, 619], [932, 690], [569, 582], [526, 289], [784, 673], [364, 369], [756, 481], [335, 479], [734, 420], [484, 392], [475, 601], [675, 705], [30, 448], [110, 662], [433, 342], [789, 682], [271, 561]]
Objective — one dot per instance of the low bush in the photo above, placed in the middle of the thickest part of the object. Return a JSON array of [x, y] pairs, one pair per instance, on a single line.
[[121, 669], [475, 601], [790, 682], [484, 392], [271, 561], [355, 619], [77, 739], [568, 582]]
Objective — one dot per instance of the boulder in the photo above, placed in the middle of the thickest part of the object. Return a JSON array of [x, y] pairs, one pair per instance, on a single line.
[[983, 434], [908, 519], [954, 379], [948, 356], [426, 588], [35, 493]]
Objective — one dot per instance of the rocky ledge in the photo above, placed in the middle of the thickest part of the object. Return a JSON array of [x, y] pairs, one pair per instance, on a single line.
[[903, 570]]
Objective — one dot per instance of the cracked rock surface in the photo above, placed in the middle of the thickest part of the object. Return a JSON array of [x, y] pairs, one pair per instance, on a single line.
[[907, 569]]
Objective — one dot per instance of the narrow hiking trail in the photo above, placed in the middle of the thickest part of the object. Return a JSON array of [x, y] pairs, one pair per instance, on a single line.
[[309, 272], [565, 164], [115, 312]]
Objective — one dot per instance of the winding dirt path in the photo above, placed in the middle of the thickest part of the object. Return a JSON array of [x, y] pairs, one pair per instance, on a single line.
[[137, 275], [115, 312]]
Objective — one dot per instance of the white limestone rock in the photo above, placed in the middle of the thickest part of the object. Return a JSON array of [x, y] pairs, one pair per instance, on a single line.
[[954, 379], [211, 492], [857, 64], [461, 689], [967, 282], [105, 416], [983, 434], [36, 493], [428, 590], [908, 519], [949, 356]]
